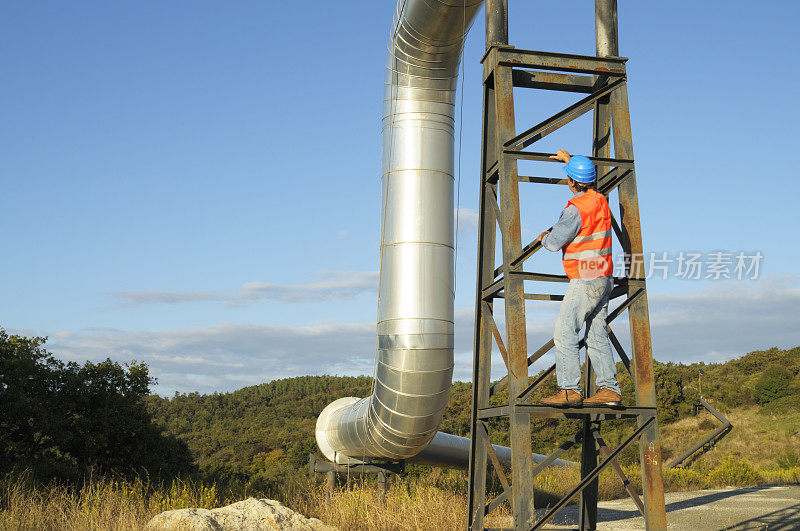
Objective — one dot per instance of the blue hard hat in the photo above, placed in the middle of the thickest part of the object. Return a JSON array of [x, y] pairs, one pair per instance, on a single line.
[[580, 169]]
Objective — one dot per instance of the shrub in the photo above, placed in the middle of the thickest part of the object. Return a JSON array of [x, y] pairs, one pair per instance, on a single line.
[[669, 391], [734, 472], [782, 405], [683, 479], [772, 385], [706, 424]]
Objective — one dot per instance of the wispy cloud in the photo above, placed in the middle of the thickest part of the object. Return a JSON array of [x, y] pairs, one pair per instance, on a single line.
[[226, 357], [331, 286], [713, 325], [467, 219], [726, 320]]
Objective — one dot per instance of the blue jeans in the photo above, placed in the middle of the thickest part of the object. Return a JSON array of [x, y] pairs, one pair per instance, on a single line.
[[586, 302]]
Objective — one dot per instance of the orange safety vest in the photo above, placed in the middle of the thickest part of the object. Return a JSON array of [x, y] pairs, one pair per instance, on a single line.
[[589, 254]]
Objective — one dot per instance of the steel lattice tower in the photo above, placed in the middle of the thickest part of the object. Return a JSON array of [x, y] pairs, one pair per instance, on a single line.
[[603, 79]]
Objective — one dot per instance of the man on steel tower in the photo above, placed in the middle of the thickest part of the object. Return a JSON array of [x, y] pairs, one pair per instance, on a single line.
[[583, 235]]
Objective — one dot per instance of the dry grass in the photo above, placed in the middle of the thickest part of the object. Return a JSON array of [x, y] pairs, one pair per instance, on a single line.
[[111, 505], [436, 500], [408, 506], [101, 504]]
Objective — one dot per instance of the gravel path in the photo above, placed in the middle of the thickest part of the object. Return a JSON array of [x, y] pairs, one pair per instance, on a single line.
[[773, 508]]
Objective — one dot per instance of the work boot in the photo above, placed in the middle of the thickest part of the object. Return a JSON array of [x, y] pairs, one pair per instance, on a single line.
[[604, 397], [563, 398]]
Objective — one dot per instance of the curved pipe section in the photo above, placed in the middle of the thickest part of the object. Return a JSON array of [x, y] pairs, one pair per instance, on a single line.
[[414, 362]]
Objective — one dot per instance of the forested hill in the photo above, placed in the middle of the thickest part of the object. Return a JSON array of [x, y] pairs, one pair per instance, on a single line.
[[262, 435], [256, 435]]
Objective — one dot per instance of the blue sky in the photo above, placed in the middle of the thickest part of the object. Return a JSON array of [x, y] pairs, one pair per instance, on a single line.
[[198, 186]]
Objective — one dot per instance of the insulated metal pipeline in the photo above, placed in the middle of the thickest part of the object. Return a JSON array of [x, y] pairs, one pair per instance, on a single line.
[[414, 360]]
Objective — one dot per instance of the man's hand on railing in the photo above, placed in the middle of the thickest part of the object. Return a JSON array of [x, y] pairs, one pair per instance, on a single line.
[[561, 155]]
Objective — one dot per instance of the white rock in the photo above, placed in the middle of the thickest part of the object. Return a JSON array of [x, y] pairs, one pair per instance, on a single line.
[[249, 514]]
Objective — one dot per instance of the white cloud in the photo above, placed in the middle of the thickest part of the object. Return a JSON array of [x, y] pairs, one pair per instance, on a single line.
[[467, 219], [331, 286], [713, 325]]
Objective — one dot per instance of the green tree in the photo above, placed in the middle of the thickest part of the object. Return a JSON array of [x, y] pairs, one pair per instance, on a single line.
[[28, 402], [64, 420]]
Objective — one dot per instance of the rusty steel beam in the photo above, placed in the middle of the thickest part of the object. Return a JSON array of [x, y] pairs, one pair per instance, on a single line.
[[498, 468], [553, 81], [493, 289], [516, 340], [606, 31], [587, 502], [621, 351], [540, 277], [492, 200], [516, 333], [561, 62], [526, 253], [523, 397], [606, 45], [496, 23], [498, 339], [619, 412], [496, 34], [543, 297], [605, 183], [498, 126], [545, 157], [481, 372], [536, 296], [503, 496], [608, 182], [541, 351], [639, 315], [541, 180]]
